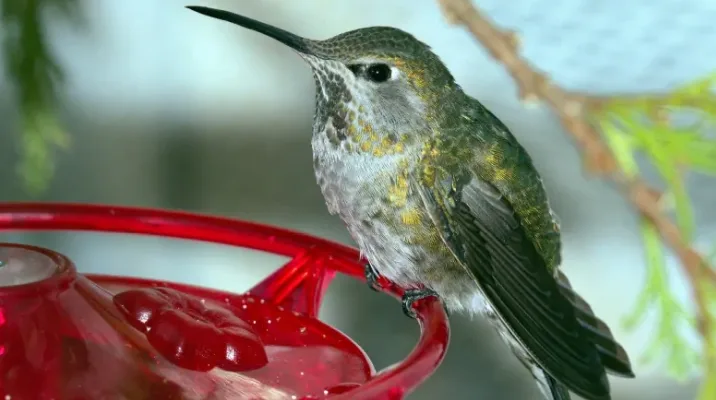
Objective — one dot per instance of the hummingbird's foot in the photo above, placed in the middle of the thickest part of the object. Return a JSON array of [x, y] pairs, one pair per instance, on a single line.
[[412, 295], [371, 277]]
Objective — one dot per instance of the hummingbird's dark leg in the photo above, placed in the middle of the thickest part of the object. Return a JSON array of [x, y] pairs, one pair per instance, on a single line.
[[412, 295], [371, 277]]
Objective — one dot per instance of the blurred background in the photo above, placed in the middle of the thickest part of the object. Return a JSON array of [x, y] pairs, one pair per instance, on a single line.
[[166, 108]]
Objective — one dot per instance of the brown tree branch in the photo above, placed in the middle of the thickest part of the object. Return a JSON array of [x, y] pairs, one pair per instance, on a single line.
[[572, 109]]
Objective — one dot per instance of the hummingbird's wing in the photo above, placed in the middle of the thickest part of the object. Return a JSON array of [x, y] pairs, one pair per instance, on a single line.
[[486, 236]]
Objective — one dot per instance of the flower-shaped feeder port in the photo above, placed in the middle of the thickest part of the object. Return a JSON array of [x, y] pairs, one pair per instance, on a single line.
[[65, 335]]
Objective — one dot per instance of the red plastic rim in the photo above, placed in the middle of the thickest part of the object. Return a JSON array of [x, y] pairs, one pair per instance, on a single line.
[[293, 285]]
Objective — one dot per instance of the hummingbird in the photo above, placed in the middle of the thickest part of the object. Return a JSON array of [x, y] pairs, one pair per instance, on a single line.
[[443, 201]]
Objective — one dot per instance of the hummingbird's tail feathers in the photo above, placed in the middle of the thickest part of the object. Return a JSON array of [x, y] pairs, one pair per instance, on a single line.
[[550, 388], [613, 356], [558, 391]]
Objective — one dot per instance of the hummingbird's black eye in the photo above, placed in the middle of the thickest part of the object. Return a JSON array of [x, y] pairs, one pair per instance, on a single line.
[[378, 72]]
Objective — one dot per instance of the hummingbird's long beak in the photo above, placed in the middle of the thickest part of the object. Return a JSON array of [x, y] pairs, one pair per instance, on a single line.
[[289, 39]]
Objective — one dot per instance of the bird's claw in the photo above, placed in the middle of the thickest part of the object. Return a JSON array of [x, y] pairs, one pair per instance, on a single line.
[[410, 296], [371, 277]]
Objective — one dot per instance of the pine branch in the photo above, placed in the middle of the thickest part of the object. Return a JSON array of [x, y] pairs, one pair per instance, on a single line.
[[36, 79]]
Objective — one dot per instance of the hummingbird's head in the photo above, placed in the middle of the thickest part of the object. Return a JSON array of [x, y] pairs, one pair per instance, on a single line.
[[379, 80]]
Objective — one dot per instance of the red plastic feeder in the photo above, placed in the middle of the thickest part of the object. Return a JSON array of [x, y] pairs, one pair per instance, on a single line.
[[65, 335]]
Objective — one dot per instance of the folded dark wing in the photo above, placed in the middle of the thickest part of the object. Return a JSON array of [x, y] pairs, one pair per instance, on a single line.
[[486, 236]]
